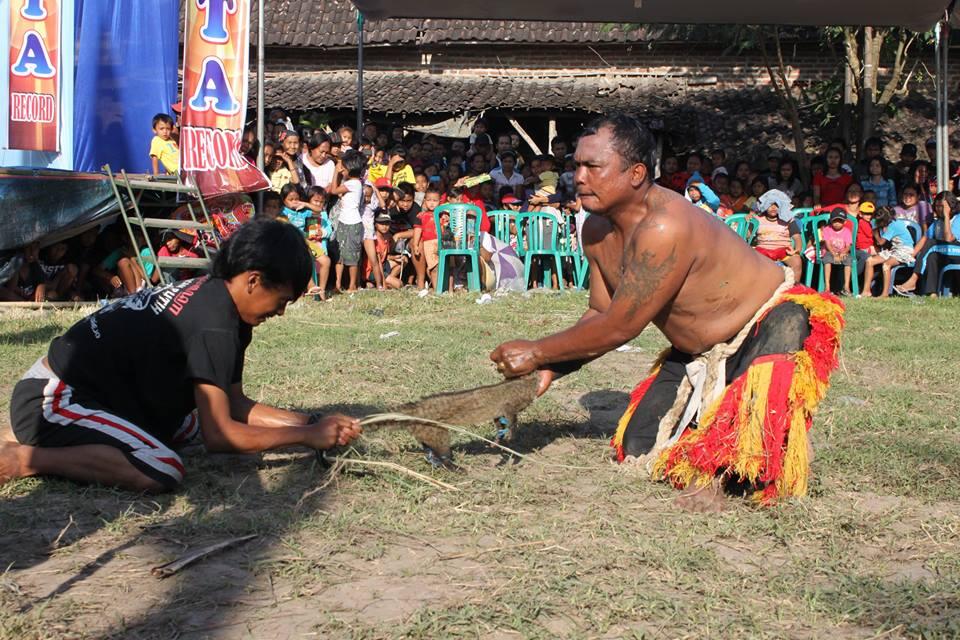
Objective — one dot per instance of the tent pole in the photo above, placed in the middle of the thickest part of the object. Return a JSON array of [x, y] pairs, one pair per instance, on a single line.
[[359, 80], [261, 125], [943, 138]]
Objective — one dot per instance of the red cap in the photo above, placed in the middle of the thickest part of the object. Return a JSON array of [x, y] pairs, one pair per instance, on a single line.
[[509, 199], [382, 183], [177, 107]]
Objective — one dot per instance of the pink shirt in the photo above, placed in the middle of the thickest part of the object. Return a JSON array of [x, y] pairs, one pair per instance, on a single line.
[[837, 241]]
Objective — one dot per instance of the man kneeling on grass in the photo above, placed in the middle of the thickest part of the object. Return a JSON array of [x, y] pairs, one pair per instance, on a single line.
[[124, 386]]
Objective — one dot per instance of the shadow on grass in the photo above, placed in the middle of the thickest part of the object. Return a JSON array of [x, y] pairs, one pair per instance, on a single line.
[[27, 539], [41, 335], [917, 609], [227, 497]]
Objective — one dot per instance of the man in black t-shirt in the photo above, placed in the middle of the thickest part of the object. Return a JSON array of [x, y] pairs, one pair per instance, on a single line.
[[118, 392]]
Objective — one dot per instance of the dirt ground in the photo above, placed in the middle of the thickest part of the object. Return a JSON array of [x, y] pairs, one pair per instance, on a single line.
[[560, 544]]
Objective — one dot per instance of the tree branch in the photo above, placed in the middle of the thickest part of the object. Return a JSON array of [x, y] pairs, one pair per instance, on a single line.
[[853, 61], [893, 87]]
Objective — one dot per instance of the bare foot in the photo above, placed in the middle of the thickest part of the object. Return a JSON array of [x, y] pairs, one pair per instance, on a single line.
[[9, 462], [708, 499]]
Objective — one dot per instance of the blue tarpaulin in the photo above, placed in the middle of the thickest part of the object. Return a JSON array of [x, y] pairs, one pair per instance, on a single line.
[[127, 61]]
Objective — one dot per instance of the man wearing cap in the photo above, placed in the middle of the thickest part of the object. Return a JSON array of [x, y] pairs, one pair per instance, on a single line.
[[729, 402]]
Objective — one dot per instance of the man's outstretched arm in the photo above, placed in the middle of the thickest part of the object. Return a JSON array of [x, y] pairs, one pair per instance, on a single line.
[[655, 266]]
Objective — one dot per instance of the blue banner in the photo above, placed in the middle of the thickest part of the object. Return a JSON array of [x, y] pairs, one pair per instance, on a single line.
[[127, 62]]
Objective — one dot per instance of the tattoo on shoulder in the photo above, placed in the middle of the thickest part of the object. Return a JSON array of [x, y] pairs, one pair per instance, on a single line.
[[641, 274]]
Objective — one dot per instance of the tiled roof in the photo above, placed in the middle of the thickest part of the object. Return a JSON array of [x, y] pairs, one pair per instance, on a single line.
[[424, 93], [748, 120], [333, 23]]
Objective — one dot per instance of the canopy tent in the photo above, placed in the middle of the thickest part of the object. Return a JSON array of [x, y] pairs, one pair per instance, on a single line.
[[919, 15]]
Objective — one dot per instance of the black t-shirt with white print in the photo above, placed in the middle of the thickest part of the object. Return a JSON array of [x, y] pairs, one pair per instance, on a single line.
[[141, 355]]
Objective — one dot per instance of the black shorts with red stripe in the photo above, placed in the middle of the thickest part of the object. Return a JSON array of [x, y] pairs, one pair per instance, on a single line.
[[47, 412]]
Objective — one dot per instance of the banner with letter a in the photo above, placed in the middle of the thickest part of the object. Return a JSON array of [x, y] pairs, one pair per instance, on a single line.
[[34, 74], [215, 74]]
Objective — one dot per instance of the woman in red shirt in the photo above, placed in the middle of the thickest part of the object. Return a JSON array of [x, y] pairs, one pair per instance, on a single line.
[[830, 187]]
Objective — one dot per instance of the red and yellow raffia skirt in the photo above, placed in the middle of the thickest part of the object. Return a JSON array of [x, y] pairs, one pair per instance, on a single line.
[[756, 431]]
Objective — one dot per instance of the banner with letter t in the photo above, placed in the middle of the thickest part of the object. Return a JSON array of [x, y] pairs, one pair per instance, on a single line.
[[34, 75], [215, 78]]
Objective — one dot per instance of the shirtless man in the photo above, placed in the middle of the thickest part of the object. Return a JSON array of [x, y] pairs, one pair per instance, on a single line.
[[656, 258]]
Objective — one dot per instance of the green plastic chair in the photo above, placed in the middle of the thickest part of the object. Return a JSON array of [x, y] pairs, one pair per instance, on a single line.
[[583, 273], [501, 220], [571, 251], [743, 225], [854, 277], [541, 231], [465, 226], [810, 234], [802, 212]]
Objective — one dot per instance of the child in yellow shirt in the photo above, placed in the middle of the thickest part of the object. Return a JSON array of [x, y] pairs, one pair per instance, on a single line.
[[163, 148]]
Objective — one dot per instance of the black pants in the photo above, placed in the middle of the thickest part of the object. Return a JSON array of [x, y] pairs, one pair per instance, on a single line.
[[783, 330], [930, 263]]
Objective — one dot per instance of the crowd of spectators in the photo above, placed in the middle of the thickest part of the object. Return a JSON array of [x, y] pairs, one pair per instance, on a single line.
[[365, 201]]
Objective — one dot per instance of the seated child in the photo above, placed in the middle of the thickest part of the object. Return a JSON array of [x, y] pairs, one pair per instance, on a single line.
[[122, 270], [757, 188], [390, 263], [700, 195], [736, 200], [27, 283], [178, 243], [59, 274], [896, 246], [778, 236], [865, 247], [163, 148], [837, 238]]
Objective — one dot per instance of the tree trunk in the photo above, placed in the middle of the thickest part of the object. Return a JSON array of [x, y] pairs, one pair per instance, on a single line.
[[784, 89], [846, 111], [871, 59]]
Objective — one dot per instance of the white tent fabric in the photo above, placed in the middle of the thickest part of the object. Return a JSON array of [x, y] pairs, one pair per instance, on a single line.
[[919, 15]]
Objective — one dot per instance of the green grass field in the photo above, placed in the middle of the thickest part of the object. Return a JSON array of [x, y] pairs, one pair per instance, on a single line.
[[518, 550]]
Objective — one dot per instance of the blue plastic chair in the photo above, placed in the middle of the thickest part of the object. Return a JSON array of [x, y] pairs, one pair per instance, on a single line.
[[915, 232], [465, 226], [743, 225], [943, 290], [541, 232]]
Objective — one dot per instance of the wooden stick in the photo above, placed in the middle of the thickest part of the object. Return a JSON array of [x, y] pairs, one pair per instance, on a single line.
[[170, 568], [526, 136], [396, 467]]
